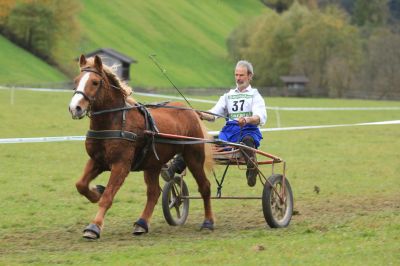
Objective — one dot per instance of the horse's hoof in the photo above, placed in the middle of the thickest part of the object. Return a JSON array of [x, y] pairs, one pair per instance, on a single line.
[[140, 227], [92, 232], [100, 189], [207, 224]]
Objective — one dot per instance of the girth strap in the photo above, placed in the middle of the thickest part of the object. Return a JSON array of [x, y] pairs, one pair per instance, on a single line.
[[111, 134]]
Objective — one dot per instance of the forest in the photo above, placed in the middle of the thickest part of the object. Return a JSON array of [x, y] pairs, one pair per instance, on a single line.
[[345, 48]]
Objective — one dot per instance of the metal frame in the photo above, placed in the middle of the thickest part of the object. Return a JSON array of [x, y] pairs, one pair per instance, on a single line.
[[231, 157]]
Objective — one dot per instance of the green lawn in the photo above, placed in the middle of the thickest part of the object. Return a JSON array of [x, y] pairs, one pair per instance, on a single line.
[[22, 68], [354, 220]]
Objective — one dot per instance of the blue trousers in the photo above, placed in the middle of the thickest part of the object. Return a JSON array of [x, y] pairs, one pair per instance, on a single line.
[[233, 133]]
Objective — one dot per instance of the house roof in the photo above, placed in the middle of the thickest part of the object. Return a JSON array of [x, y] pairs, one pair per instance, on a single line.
[[114, 54], [294, 79]]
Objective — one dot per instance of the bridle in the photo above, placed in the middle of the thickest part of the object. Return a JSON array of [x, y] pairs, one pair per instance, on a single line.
[[88, 98]]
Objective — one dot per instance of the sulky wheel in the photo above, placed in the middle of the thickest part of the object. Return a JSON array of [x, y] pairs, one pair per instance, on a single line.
[[175, 208], [277, 213]]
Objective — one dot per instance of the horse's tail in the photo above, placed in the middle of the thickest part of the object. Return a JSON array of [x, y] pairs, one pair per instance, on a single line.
[[208, 156]]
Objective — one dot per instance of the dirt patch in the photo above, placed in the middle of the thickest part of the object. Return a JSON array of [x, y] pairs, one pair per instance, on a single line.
[[338, 208]]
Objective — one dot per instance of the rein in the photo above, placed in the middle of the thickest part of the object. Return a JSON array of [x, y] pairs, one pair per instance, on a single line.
[[152, 106], [127, 108]]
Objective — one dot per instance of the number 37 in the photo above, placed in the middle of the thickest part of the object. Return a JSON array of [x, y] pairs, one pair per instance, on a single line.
[[236, 105]]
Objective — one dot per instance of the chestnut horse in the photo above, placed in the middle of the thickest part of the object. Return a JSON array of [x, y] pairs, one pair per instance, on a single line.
[[117, 142]]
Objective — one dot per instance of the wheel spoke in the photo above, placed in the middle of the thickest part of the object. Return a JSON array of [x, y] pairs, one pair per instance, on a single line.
[[172, 202], [178, 211], [174, 191], [278, 208]]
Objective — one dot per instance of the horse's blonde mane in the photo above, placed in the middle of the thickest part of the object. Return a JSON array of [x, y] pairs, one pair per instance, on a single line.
[[114, 80]]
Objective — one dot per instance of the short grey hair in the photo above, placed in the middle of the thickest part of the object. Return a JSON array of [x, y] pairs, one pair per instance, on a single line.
[[247, 65]]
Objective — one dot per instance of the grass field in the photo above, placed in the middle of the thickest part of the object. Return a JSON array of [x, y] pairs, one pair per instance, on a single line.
[[354, 220], [188, 37], [19, 67]]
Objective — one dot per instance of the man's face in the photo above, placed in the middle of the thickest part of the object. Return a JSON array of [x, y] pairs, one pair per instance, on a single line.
[[242, 77]]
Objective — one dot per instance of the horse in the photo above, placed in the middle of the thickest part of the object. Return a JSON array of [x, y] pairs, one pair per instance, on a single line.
[[118, 141]]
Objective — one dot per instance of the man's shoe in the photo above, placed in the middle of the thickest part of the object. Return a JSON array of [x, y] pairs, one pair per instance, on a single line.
[[251, 173]]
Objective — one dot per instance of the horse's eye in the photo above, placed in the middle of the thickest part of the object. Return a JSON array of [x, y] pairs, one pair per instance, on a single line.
[[95, 83]]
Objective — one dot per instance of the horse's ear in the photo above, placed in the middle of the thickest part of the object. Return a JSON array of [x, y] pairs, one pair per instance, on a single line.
[[97, 63], [82, 60]]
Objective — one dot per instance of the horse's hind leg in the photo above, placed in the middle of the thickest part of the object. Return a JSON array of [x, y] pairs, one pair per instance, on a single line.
[[151, 178], [90, 172], [195, 163]]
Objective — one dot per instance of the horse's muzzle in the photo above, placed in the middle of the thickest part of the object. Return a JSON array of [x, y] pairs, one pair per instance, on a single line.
[[77, 112]]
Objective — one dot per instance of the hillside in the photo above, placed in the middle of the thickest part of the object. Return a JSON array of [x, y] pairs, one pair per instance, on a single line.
[[19, 67], [188, 37]]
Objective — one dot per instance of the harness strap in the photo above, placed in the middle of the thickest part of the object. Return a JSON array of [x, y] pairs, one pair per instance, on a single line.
[[150, 125], [149, 141], [111, 134]]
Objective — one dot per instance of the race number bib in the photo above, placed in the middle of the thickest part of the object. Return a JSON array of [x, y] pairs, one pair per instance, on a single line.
[[239, 105]]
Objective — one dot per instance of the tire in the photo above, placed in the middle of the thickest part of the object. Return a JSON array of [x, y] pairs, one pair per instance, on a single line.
[[175, 209], [277, 214]]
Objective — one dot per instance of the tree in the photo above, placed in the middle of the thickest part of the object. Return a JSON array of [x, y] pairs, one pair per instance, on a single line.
[[260, 50], [5, 8], [381, 66], [67, 35], [268, 43], [370, 13], [31, 25], [325, 41], [299, 41], [44, 27]]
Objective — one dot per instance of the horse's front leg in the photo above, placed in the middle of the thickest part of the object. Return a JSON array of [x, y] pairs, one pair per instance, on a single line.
[[151, 178], [91, 171], [119, 172]]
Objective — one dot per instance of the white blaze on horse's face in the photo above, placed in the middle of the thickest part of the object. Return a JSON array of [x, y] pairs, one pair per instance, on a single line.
[[78, 105]]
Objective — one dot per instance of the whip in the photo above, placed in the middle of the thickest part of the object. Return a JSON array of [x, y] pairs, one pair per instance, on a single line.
[[152, 57]]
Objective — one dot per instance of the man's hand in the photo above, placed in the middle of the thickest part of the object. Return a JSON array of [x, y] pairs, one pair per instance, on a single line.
[[200, 114], [204, 116], [242, 121], [254, 120]]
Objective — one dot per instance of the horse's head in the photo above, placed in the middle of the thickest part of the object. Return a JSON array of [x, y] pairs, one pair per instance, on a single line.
[[87, 86], [97, 87]]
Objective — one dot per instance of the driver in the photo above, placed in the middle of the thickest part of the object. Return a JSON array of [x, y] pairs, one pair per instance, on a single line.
[[246, 111]]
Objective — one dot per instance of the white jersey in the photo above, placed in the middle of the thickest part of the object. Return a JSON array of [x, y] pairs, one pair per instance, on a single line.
[[246, 103]]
